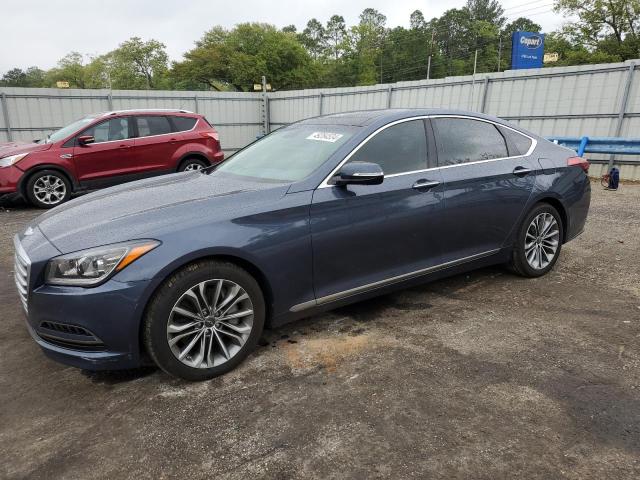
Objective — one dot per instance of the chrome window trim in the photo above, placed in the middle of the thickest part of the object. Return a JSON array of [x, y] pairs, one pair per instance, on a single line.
[[389, 281], [135, 119], [534, 143], [79, 134]]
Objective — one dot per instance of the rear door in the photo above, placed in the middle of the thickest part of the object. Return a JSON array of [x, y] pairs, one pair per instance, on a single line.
[[156, 143], [110, 158], [487, 182], [366, 234]]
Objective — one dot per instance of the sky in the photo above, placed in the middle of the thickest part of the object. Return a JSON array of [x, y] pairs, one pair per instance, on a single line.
[[40, 32]]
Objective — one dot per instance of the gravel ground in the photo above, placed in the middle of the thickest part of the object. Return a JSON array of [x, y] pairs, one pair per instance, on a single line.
[[483, 375]]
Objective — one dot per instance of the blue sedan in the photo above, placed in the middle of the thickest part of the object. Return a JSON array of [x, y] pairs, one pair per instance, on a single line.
[[187, 270]]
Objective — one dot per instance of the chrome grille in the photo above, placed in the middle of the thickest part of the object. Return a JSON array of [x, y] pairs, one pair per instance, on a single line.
[[21, 268]]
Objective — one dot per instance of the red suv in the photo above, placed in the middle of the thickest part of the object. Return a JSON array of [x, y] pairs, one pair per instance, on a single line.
[[105, 149]]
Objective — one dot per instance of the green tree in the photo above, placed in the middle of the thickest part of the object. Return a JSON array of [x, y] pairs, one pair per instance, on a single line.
[[138, 64], [610, 25], [336, 32], [16, 77], [490, 11], [417, 21], [239, 57], [313, 37], [70, 69]]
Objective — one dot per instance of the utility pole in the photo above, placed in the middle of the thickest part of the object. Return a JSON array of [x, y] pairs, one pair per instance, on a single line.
[[499, 50], [433, 32], [473, 82], [475, 63], [266, 127]]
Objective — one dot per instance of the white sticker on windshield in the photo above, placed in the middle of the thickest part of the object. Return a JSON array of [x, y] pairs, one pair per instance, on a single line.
[[325, 136]]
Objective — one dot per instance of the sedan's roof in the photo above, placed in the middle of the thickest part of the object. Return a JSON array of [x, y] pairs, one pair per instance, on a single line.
[[367, 117]]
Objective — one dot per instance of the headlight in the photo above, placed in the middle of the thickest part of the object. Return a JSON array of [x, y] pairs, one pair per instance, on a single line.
[[93, 266], [8, 161]]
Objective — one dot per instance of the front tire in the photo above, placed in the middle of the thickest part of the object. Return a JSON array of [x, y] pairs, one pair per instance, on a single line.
[[204, 320], [48, 189], [538, 243]]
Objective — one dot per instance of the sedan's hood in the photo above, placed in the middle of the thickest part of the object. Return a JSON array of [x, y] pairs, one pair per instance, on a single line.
[[145, 208], [14, 148]]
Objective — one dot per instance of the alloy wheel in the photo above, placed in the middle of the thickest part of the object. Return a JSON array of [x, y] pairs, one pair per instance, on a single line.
[[210, 323], [190, 167], [49, 189], [542, 240]]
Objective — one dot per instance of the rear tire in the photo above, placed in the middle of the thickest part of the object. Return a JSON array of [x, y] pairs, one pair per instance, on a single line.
[[538, 243], [191, 164], [48, 189], [190, 305]]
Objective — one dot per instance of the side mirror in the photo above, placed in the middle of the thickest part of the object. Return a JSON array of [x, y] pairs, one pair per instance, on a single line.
[[85, 140], [359, 173]]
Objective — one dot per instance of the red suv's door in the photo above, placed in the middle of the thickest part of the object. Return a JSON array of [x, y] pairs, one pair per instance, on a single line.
[[110, 156], [156, 143]]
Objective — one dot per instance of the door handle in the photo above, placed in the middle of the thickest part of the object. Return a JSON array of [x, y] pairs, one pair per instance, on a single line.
[[521, 171], [125, 146], [425, 184]]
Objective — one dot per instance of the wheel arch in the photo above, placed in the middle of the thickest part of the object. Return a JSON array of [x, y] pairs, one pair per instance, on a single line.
[[250, 267], [193, 154], [557, 204], [22, 185]]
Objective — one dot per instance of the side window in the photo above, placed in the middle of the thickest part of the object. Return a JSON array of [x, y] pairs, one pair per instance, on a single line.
[[109, 131], [183, 124], [462, 140], [153, 125], [397, 149], [519, 143]]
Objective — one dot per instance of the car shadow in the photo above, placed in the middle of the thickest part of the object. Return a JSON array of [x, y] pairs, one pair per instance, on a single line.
[[115, 377], [8, 204]]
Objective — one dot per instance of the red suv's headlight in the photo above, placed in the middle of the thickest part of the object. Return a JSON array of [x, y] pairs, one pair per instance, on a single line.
[[12, 160]]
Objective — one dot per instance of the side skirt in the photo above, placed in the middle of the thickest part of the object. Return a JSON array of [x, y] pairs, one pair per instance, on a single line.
[[390, 281]]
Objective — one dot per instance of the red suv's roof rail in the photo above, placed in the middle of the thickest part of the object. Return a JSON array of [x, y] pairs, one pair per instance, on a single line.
[[146, 110]]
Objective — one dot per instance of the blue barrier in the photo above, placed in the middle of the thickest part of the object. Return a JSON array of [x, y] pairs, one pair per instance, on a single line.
[[611, 145]]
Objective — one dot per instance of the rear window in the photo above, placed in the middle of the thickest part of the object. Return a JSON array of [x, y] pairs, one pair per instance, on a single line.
[[153, 125], [183, 124], [463, 140]]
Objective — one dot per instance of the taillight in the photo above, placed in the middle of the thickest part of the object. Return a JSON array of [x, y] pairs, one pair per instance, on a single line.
[[578, 162], [211, 134]]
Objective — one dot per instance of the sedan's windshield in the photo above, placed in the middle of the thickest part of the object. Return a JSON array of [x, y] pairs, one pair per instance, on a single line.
[[70, 129], [288, 154]]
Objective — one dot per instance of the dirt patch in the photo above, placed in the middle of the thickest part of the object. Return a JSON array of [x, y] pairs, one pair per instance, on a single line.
[[330, 353]]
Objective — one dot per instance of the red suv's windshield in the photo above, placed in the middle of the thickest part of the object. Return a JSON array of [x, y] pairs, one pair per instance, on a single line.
[[70, 129]]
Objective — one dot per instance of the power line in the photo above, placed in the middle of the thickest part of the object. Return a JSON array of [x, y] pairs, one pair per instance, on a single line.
[[522, 5], [520, 12]]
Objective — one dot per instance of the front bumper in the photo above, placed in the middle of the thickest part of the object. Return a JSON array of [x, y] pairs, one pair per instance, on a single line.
[[90, 328], [10, 179]]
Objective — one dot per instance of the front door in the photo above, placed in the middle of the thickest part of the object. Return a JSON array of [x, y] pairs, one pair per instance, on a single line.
[[364, 236], [110, 158]]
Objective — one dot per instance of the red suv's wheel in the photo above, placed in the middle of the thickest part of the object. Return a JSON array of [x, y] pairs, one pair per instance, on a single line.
[[48, 188], [191, 164]]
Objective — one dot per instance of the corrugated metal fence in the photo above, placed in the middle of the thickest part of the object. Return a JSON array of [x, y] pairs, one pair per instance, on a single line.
[[32, 113], [594, 100]]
